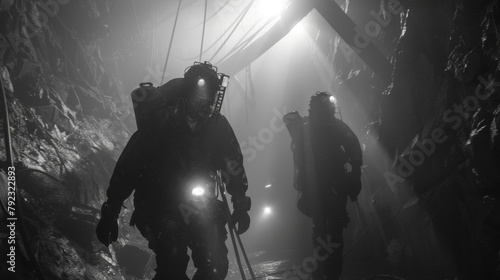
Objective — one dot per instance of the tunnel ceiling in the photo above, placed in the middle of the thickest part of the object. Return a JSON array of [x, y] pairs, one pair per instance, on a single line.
[[425, 106]]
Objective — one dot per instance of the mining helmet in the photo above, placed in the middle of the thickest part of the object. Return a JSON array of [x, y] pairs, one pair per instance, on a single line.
[[322, 106], [204, 90]]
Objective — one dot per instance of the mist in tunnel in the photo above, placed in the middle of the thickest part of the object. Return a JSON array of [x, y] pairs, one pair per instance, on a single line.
[[416, 83], [281, 79]]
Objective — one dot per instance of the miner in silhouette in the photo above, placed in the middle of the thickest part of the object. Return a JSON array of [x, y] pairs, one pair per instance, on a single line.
[[328, 159], [171, 162]]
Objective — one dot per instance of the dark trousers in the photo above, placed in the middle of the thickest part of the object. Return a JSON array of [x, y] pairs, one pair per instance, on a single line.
[[170, 237], [328, 225]]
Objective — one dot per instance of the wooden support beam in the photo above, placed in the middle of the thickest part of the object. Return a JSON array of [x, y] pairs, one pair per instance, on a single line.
[[292, 15], [355, 37]]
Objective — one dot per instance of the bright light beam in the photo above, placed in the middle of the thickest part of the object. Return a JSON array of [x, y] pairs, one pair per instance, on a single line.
[[198, 191], [271, 8]]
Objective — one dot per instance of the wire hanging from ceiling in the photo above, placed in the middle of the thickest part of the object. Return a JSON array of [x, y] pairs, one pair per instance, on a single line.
[[218, 10], [203, 32], [234, 25], [242, 44], [247, 8], [171, 39], [141, 32]]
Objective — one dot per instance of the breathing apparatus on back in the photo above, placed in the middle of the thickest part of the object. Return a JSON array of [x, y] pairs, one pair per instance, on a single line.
[[201, 92]]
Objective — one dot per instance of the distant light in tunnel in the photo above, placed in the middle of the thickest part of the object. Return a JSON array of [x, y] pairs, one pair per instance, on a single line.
[[267, 186], [271, 8]]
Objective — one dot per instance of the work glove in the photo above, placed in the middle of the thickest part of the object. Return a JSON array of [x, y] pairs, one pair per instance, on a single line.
[[107, 228], [240, 220]]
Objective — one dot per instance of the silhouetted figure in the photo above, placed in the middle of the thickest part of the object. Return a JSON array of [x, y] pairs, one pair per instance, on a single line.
[[328, 161], [170, 162]]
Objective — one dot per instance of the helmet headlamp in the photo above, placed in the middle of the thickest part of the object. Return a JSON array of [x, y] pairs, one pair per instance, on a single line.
[[322, 106], [205, 89], [198, 191]]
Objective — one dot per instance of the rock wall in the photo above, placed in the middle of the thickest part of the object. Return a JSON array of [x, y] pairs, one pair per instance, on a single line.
[[437, 125], [70, 119]]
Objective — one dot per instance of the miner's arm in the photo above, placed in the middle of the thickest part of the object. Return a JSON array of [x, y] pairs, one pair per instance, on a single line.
[[355, 158], [352, 147], [237, 184], [121, 185]]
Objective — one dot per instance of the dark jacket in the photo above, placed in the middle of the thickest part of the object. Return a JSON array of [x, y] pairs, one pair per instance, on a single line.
[[326, 148], [160, 162], [321, 151]]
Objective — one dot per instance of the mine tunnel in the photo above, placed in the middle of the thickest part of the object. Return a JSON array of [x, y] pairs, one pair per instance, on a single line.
[[92, 91]]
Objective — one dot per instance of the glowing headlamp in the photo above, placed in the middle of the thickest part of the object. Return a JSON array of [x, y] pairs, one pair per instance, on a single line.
[[201, 82], [198, 191], [333, 100], [201, 191]]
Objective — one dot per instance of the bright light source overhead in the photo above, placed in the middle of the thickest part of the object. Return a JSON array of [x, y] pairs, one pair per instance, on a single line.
[[267, 186], [271, 8], [267, 210]]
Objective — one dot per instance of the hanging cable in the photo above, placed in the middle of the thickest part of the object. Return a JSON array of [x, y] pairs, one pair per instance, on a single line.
[[6, 125], [247, 8], [153, 36], [246, 92], [230, 27], [203, 32], [241, 45], [220, 9], [31, 256], [171, 39], [246, 34], [141, 33]]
